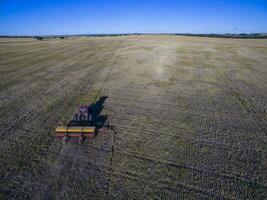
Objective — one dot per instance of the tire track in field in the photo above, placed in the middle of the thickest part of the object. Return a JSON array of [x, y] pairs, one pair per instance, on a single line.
[[75, 155]]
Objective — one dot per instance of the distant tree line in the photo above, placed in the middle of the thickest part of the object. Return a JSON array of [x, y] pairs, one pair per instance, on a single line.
[[227, 35], [230, 35], [36, 37]]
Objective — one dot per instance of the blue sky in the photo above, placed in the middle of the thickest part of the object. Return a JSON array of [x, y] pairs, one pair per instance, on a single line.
[[44, 17]]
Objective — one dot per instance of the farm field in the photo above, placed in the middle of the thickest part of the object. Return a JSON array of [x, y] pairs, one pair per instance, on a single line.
[[189, 118]]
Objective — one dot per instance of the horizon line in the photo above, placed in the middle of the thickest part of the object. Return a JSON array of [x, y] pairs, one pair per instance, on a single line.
[[133, 33]]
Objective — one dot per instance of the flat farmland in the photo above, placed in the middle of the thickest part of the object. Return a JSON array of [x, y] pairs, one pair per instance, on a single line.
[[188, 115]]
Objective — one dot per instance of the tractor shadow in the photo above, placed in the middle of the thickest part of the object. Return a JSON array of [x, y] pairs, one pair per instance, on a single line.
[[99, 121]]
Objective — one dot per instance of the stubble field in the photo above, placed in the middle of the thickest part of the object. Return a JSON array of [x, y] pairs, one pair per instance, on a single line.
[[189, 118]]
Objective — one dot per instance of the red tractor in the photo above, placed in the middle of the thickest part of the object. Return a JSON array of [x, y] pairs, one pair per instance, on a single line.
[[82, 125]]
